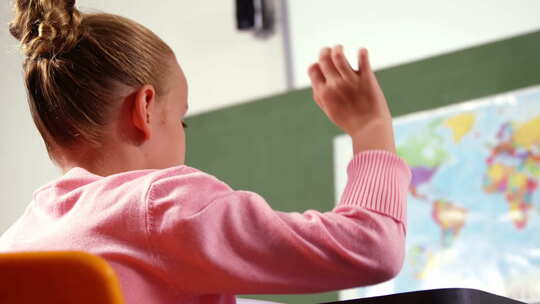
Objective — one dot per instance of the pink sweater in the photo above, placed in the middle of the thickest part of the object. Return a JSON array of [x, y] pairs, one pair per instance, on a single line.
[[179, 235]]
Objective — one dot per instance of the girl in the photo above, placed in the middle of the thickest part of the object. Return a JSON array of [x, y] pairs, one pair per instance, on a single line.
[[108, 96]]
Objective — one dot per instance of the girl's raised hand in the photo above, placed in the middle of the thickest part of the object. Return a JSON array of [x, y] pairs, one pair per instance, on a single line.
[[352, 99]]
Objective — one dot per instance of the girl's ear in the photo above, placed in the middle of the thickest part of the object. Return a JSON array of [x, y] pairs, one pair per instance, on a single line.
[[142, 110]]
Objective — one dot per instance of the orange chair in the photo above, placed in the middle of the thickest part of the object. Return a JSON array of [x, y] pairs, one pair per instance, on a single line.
[[57, 277]]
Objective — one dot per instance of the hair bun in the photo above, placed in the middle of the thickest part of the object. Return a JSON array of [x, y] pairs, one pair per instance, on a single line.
[[46, 28]]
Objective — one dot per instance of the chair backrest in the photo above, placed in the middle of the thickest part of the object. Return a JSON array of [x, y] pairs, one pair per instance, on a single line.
[[57, 277]]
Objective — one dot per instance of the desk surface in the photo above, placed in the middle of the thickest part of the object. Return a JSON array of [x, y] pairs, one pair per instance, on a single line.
[[438, 296]]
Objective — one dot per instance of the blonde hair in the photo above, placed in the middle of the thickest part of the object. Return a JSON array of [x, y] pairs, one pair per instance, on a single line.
[[74, 63]]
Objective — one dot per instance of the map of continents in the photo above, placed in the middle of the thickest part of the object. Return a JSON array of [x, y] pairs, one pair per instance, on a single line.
[[474, 204]]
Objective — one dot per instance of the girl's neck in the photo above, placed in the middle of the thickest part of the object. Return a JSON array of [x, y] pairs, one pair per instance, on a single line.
[[105, 160]]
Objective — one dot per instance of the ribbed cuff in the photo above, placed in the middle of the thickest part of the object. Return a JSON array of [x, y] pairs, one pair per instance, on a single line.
[[378, 180]]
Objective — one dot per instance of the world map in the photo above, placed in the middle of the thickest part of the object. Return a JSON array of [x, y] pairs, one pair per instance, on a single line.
[[474, 200]]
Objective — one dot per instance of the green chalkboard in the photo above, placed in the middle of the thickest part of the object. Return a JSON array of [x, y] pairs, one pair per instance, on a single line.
[[281, 147]]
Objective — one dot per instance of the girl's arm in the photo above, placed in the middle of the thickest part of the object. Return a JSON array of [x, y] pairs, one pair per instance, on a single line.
[[210, 239]]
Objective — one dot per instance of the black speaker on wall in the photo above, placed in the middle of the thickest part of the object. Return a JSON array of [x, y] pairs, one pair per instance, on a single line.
[[245, 14], [255, 15]]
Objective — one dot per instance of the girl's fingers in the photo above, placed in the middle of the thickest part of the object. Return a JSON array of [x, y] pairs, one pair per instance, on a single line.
[[341, 63], [317, 81], [316, 75], [363, 61], [327, 65]]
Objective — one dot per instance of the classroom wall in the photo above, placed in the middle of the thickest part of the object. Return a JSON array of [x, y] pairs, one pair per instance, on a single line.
[[398, 32], [223, 67]]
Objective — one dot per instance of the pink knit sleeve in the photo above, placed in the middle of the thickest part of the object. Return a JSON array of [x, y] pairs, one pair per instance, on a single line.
[[216, 240], [380, 185]]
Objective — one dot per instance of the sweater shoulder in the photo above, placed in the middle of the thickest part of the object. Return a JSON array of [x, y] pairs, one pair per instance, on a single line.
[[185, 186], [184, 176]]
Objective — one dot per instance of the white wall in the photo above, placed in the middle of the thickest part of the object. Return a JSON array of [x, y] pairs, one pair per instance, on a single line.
[[397, 32], [223, 67]]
